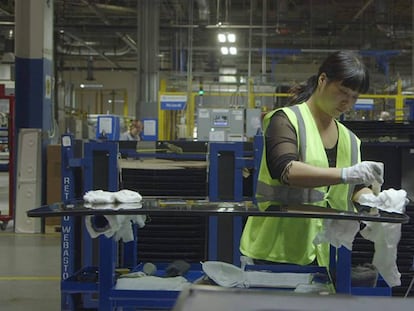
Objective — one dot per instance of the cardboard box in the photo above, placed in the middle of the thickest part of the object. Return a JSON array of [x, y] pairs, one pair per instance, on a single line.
[[53, 180]]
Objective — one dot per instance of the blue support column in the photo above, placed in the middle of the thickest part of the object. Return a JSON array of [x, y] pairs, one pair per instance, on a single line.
[[343, 271], [106, 245], [106, 272], [257, 158], [67, 223], [212, 237], [237, 232], [109, 182], [34, 70], [214, 153]]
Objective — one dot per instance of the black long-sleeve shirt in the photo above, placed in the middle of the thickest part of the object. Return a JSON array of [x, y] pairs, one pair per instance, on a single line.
[[282, 145]]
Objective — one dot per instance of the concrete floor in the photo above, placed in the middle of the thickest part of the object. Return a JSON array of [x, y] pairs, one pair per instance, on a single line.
[[29, 271], [4, 193], [29, 266]]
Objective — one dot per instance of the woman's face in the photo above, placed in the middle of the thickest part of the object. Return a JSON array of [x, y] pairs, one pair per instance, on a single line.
[[334, 98]]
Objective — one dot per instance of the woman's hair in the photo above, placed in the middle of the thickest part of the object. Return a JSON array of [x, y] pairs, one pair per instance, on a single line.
[[343, 66]]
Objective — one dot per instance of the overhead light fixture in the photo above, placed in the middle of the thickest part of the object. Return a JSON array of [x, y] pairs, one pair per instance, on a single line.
[[228, 50], [226, 37], [90, 79], [224, 50], [221, 37], [231, 37], [91, 85], [116, 101], [233, 50]]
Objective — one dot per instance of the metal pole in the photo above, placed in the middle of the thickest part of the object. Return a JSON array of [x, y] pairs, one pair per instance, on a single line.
[[264, 20]]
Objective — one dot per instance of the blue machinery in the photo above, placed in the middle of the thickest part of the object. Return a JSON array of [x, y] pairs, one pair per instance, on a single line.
[[89, 281]]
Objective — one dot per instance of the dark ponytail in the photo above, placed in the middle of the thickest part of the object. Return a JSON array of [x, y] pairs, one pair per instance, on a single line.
[[301, 92]]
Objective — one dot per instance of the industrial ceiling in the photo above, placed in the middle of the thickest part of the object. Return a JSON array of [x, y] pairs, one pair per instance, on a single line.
[[271, 35]]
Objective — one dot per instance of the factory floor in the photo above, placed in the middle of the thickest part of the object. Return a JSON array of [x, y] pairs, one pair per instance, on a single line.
[[29, 265]]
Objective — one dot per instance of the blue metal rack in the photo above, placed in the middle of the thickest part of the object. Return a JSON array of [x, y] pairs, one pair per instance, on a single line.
[[75, 286], [107, 247]]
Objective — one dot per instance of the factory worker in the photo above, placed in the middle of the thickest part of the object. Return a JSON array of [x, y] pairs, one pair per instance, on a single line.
[[310, 157], [134, 131]]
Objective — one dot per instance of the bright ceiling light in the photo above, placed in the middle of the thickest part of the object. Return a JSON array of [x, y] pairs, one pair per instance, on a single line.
[[116, 101], [221, 37], [91, 85], [231, 37], [224, 50], [233, 50]]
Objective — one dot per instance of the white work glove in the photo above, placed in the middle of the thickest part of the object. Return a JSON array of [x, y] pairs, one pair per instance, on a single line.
[[391, 200], [366, 172]]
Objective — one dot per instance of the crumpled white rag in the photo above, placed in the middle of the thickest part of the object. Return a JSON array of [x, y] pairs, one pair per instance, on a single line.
[[99, 196], [122, 196], [117, 226], [385, 236], [338, 232], [391, 200], [177, 283]]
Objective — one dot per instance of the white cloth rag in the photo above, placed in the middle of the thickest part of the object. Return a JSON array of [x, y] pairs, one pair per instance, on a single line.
[[102, 225], [119, 227], [338, 233], [177, 283], [121, 196], [113, 206], [99, 196], [228, 275], [385, 236], [127, 196], [391, 200]]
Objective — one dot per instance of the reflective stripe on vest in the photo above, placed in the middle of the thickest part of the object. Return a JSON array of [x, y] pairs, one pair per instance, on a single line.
[[302, 133], [286, 194]]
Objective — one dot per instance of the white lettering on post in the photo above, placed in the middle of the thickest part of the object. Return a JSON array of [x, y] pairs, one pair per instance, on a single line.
[[65, 249]]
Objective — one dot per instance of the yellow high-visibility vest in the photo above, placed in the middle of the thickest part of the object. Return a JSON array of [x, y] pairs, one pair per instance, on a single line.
[[290, 240]]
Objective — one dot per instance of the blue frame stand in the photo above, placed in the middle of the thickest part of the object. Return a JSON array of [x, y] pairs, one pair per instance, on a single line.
[[88, 282], [71, 273]]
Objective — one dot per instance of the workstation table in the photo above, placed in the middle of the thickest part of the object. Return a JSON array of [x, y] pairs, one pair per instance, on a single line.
[[109, 298], [207, 298]]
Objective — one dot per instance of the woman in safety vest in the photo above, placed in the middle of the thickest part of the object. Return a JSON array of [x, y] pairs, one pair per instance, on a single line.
[[310, 158]]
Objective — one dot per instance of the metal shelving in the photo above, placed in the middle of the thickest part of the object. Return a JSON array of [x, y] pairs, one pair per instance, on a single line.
[[4, 149]]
